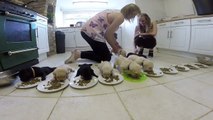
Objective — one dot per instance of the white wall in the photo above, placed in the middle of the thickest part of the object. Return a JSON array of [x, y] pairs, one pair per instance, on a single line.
[[175, 8]]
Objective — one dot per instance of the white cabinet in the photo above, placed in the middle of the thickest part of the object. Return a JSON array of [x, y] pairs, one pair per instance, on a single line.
[[80, 41], [174, 35], [74, 39], [163, 35], [69, 37], [180, 35], [42, 34], [202, 37]]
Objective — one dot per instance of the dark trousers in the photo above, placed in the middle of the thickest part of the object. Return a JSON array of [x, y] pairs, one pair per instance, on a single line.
[[146, 41], [100, 50]]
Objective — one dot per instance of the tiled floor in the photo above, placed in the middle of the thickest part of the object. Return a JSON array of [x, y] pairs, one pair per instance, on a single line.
[[184, 96]]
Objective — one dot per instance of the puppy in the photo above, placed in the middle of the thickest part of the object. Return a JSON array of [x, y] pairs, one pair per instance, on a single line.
[[135, 69], [148, 65], [33, 72], [106, 69], [85, 71], [61, 73]]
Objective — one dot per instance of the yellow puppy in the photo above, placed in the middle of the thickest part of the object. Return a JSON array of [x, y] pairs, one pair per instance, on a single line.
[[61, 73]]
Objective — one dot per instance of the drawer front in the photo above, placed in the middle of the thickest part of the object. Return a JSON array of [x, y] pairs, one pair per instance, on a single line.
[[180, 23], [202, 21], [41, 20], [166, 24]]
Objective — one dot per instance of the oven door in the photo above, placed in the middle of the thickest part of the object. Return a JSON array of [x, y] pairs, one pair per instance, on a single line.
[[17, 41]]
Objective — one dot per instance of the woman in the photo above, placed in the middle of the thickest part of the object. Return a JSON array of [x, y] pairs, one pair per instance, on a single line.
[[145, 33], [100, 29]]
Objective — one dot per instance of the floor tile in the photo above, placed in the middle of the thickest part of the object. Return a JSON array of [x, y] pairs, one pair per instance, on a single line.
[[169, 77], [33, 92], [95, 90], [208, 116], [205, 77], [159, 103], [127, 85], [19, 108], [198, 91], [5, 90], [102, 107]]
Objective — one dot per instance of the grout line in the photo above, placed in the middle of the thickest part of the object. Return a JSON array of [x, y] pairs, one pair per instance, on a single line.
[[187, 97], [119, 97], [204, 115], [55, 105]]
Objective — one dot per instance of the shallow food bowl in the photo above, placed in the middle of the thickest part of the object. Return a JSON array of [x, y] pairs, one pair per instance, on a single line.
[[205, 60], [7, 77]]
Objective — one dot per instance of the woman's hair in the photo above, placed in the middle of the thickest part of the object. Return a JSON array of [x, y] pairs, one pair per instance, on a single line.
[[148, 22], [129, 10]]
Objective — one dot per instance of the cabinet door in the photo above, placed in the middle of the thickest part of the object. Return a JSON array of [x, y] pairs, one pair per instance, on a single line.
[[42, 38], [202, 39], [80, 42], [180, 38], [162, 37], [70, 39]]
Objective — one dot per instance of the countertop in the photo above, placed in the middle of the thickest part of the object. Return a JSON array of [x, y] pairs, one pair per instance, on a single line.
[[182, 18]]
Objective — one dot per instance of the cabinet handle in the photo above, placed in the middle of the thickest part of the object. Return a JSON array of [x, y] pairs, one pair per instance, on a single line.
[[170, 34], [162, 25], [179, 22], [201, 21], [37, 32]]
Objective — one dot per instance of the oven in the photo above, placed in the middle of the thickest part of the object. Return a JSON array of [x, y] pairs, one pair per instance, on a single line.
[[18, 47]]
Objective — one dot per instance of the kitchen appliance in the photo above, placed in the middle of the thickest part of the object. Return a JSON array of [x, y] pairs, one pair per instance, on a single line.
[[18, 47]]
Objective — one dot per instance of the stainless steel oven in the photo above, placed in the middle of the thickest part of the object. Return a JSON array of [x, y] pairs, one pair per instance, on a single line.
[[18, 47]]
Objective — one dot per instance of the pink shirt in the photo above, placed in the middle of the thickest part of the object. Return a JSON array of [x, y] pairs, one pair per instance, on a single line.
[[96, 26]]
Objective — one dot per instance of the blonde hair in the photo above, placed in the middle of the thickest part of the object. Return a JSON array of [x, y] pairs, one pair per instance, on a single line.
[[148, 26], [130, 10]]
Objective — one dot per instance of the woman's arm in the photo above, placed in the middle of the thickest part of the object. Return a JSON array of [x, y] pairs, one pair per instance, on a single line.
[[154, 30], [137, 31], [117, 20]]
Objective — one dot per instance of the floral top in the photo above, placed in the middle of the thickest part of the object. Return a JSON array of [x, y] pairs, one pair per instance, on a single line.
[[96, 26]]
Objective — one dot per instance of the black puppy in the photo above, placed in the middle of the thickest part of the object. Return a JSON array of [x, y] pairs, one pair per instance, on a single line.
[[85, 71], [33, 72]]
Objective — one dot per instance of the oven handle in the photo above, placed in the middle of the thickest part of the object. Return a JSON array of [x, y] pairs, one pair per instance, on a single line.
[[21, 51], [18, 16]]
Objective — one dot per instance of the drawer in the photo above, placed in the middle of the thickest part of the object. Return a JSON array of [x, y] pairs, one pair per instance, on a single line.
[[180, 23], [202, 21], [41, 19], [166, 24]]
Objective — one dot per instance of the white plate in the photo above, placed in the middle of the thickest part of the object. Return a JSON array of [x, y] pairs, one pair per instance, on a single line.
[[201, 65], [181, 68], [113, 82], [44, 85], [191, 66], [158, 73], [73, 83], [172, 70], [21, 85]]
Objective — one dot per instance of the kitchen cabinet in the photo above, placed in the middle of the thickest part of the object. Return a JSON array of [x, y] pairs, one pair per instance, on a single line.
[[174, 35], [180, 35], [42, 34], [163, 35], [80, 42], [202, 37], [74, 39]]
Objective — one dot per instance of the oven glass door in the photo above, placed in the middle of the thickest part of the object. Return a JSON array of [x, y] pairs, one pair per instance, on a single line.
[[17, 41]]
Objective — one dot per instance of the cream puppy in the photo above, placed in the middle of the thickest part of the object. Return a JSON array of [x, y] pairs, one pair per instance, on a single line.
[[61, 73], [106, 69], [148, 65], [135, 68]]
